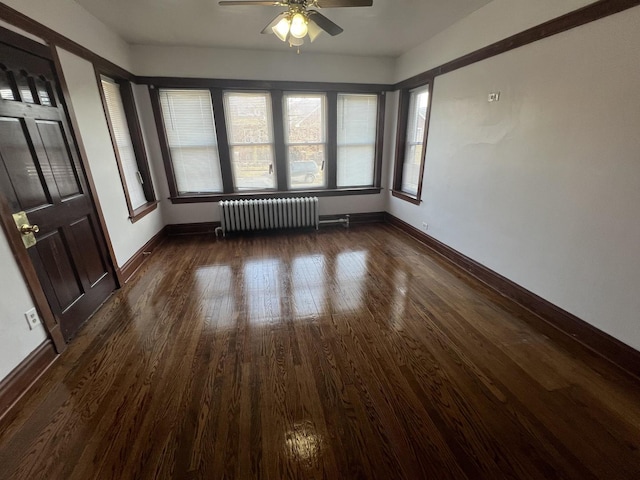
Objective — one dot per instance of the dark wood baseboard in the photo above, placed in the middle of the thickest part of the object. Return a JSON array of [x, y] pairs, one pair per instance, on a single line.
[[206, 228], [359, 218], [201, 228], [562, 322], [14, 385], [134, 263]]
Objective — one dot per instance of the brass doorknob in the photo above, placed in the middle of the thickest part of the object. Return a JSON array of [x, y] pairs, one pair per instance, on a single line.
[[27, 229]]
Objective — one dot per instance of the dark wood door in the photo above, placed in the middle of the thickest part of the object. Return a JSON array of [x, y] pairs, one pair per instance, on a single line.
[[41, 175]]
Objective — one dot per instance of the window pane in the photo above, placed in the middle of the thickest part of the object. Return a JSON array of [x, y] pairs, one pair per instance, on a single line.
[[306, 166], [357, 126], [191, 134], [123, 142], [305, 137], [414, 155], [356, 165], [250, 134], [6, 86]]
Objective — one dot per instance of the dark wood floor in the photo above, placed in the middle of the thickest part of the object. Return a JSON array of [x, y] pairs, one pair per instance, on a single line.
[[343, 354]]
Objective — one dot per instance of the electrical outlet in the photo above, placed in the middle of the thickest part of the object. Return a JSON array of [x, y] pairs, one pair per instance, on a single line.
[[425, 226], [494, 97], [32, 318]]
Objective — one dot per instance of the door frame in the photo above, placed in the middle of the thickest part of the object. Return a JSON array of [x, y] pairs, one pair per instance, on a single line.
[[14, 238]]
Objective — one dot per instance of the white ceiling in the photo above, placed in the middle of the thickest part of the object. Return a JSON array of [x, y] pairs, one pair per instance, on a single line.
[[388, 28]]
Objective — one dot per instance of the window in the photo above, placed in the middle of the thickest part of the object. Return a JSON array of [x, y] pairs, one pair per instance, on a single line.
[[357, 127], [413, 127], [128, 146], [250, 134], [305, 139], [192, 141], [251, 139]]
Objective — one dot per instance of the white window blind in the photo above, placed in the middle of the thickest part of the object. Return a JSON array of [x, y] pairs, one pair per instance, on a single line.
[[250, 133], [305, 126], [193, 144], [414, 149], [357, 125], [128, 161]]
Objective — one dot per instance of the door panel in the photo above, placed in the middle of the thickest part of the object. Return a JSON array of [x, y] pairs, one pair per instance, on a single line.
[[55, 256], [19, 163], [44, 178], [60, 160], [94, 267]]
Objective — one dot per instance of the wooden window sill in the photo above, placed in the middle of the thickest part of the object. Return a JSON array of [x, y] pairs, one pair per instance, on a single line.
[[406, 197], [271, 194], [143, 211]]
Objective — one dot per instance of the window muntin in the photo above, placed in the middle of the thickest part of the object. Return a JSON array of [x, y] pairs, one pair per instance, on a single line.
[[415, 140], [305, 127], [192, 140], [123, 143], [356, 139], [250, 135]]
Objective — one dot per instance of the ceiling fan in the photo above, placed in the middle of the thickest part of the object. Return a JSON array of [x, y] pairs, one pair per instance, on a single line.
[[298, 21]]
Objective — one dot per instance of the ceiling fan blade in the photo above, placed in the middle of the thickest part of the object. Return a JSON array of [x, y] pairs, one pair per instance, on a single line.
[[251, 2], [344, 3], [324, 23], [274, 22]]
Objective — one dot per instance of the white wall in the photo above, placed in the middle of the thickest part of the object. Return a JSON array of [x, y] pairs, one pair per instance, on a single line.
[[259, 65], [126, 237], [544, 186], [74, 22], [493, 22], [16, 340]]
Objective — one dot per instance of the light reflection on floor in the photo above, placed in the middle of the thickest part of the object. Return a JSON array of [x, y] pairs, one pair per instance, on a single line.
[[274, 290]]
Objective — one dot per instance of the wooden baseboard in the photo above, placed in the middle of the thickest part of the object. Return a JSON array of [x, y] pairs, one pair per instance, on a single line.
[[206, 228], [134, 263], [14, 385], [562, 322], [201, 228], [359, 218]]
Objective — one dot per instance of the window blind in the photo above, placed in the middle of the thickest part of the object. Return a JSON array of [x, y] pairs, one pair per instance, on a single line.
[[414, 149], [357, 118], [193, 144], [128, 161]]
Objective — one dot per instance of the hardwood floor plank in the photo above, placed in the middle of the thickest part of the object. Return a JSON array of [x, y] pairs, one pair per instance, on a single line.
[[338, 354]]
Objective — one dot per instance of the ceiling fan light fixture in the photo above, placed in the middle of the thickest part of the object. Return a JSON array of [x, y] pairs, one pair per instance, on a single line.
[[295, 41], [299, 27], [281, 29], [314, 29]]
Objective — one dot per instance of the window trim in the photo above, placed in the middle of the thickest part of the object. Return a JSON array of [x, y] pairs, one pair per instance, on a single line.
[[327, 127], [229, 145], [277, 110], [401, 142], [137, 141]]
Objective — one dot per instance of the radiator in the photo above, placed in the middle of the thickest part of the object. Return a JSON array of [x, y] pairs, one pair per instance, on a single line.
[[266, 214]]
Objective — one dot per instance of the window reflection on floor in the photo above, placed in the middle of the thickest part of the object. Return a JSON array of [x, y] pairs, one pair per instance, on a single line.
[[399, 302], [350, 278], [263, 290], [214, 284], [308, 281]]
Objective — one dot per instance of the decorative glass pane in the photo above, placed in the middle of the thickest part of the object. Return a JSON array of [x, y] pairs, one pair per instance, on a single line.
[[6, 87], [43, 92]]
